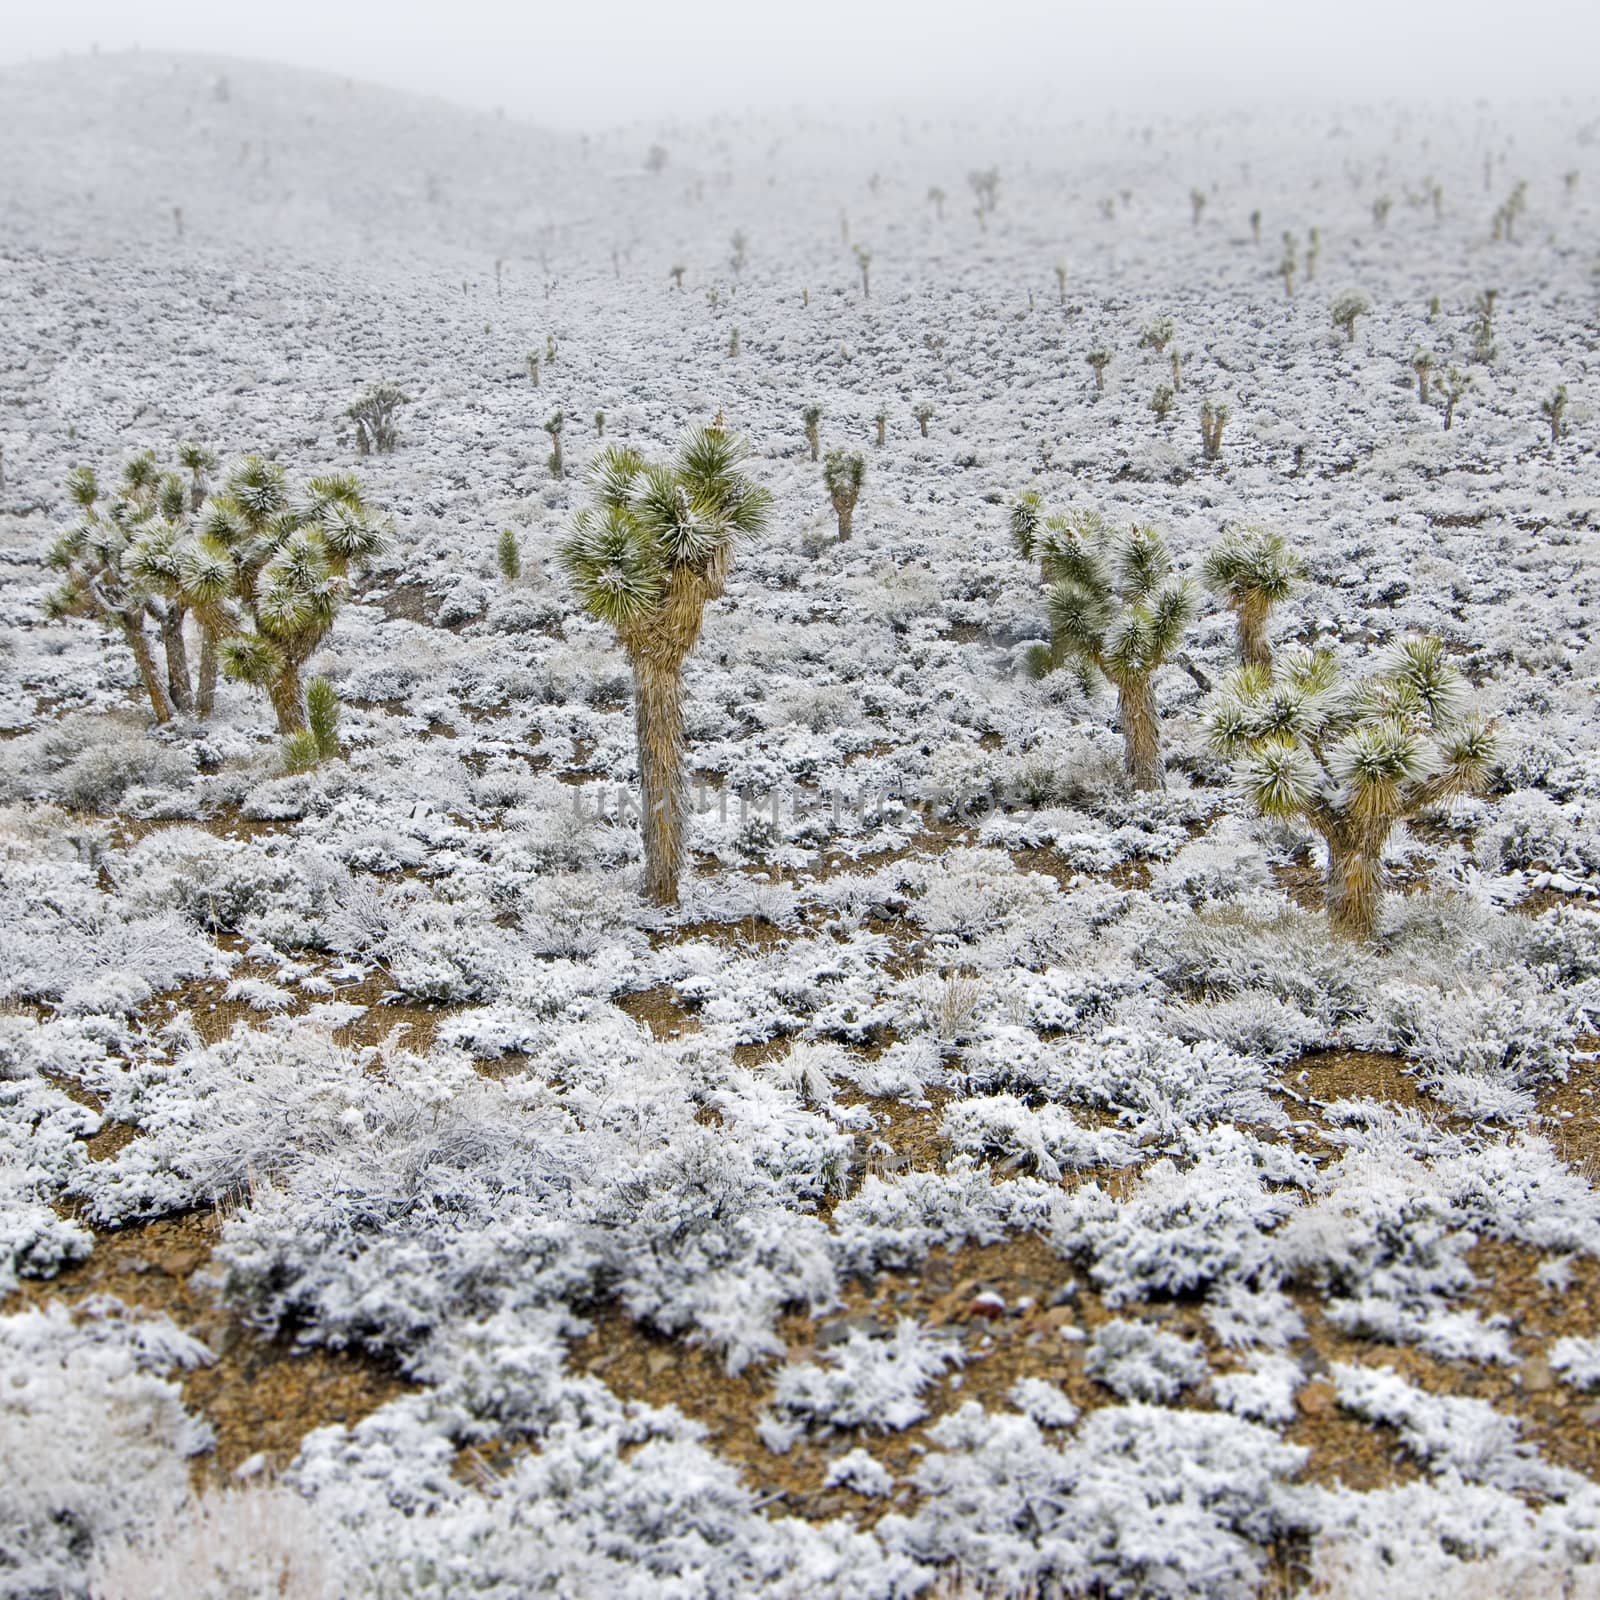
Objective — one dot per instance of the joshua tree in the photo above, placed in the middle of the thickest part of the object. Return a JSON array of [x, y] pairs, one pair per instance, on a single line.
[[676, 274], [1116, 608], [553, 424], [812, 417], [1162, 401], [843, 473], [1156, 335], [509, 555], [1353, 759], [1213, 419], [924, 415], [1456, 384], [741, 252], [1099, 358], [1313, 251], [1554, 411], [936, 197], [882, 421], [322, 717], [733, 340], [374, 416], [1288, 264], [1061, 283], [533, 367], [91, 556], [1422, 365], [1252, 570], [499, 268], [864, 262], [1177, 372], [645, 558], [1346, 308], [985, 184], [549, 349], [1381, 207], [1483, 325], [291, 559], [1029, 533], [1197, 204], [600, 424], [199, 463], [1255, 226]]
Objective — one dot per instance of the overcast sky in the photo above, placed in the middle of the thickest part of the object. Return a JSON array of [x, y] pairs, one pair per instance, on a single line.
[[591, 63]]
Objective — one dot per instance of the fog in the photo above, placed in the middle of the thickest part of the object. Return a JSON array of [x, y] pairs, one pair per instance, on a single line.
[[619, 61]]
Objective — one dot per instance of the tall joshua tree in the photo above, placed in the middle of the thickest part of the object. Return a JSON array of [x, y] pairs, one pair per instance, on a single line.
[[843, 473], [1353, 759], [811, 416], [645, 558], [1252, 570], [292, 562], [1117, 609]]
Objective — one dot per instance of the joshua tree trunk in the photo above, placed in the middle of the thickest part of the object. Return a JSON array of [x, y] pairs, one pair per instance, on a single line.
[[846, 515], [288, 700], [206, 700], [176, 650], [663, 796], [144, 659], [1252, 636], [1355, 882], [1141, 733]]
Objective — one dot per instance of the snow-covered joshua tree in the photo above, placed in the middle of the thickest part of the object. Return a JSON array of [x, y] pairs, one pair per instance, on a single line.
[[645, 558], [1252, 570], [1353, 759], [1116, 608]]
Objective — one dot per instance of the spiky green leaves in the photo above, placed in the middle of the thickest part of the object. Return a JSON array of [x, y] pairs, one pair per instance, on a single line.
[[1252, 566], [843, 473], [249, 658], [652, 524], [83, 486], [1027, 512]]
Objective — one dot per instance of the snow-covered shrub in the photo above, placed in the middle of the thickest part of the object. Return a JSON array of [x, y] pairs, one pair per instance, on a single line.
[[89, 763], [970, 891], [1138, 1362], [1578, 1361], [866, 1382], [1264, 1392], [1046, 1140]]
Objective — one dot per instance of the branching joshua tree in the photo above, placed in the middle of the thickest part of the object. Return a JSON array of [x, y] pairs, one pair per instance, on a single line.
[[374, 415], [292, 559], [1252, 570], [1025, 522], [882, 423], [199, 463], [1346, 308], [1162, 401], [1099, 358], [1213, 419], [97, 584], [864, 262], [812, 418], [843, 474], [1061, 283], [924, 415], [533, 367], [1117, 609], [1353, 759], [1456, 384], [645, 558]]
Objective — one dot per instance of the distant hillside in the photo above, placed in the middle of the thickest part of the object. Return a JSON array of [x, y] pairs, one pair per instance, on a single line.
[[100, 149]]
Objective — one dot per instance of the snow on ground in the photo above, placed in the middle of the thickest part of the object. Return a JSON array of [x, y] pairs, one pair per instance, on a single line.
[[1012, 1178]]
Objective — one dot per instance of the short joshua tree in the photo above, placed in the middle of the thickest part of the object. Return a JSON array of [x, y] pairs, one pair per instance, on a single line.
[[292, 556], [1422, 365], [1177, 371], [740, 252], [1117, 609], [1554, 411], [1483, 325], [1213, 419], [1156, 335], [599, 424], [1456, 383], [676, 274], [199, 463], [645, 558], [1197, 204], [508, 555], [1252, 571], [733, 340], [1026, 524], [1353, 759], [936, 198], [1099, 358], [1381, 207], [374, 414], [1255, 227], [1061, 283], [553, 424], [924, 415], [843, 474], [1346, 308], [318, 741], [881, 420], [812, 418], [985, 184], [1289, 263], [1313, 252], [1162, 400], [864, 263], [533, 367]]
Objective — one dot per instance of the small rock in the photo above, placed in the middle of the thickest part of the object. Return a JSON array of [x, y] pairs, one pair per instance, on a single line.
[[1536, 1375], [987, 1304], [837, 1332], [1317, 1399], [657, 1362]]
